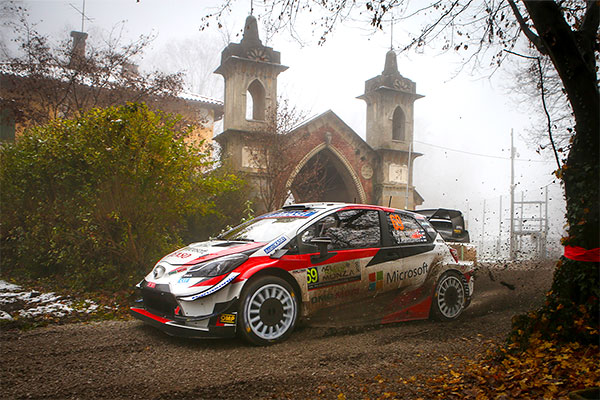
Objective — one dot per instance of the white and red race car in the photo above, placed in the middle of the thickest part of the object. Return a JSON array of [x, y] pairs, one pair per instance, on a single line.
[[315, 260]]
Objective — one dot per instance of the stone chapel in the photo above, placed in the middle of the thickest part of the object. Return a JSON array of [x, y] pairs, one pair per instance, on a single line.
[[375, 171]]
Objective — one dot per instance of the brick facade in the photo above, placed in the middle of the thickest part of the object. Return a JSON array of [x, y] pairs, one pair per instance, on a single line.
[[376, 171]]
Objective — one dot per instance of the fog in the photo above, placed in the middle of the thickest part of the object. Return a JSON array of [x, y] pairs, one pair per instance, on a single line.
[[462, 125]]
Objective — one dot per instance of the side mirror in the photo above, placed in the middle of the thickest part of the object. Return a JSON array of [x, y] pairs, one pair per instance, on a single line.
[[322, 243]]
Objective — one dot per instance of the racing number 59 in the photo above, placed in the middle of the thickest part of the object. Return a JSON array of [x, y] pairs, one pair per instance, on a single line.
[[312, 275]]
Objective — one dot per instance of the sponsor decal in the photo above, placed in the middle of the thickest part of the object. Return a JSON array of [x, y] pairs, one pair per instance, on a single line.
[[332, 274], [151, 284], [178, 270], [273, 245], [183, 280], [202, 250], [181, 254], [412, 236], [397, 276], [334, 296], [376, 280], [417, 235], [213, 289], [227, 318], [293, 214]]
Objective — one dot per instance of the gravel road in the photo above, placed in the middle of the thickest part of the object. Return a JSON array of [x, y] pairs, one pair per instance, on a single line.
[[128, 360]]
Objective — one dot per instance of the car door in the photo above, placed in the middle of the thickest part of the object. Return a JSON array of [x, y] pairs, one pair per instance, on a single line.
[[401, 274], [336, 276], [414, 250]]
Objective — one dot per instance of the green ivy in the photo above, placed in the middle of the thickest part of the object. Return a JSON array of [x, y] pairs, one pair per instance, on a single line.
[[570, 312]]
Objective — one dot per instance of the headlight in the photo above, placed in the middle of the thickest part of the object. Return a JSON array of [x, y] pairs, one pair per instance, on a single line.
[[158, 271], [216, 267]]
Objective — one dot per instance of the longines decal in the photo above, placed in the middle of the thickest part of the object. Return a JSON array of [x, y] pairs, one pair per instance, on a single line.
[[332, 274]]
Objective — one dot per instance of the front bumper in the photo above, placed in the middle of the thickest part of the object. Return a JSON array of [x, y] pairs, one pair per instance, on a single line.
[[208, 316], [214, 329]]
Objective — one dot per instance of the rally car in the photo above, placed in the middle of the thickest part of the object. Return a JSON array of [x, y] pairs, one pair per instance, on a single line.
[[307, 260]]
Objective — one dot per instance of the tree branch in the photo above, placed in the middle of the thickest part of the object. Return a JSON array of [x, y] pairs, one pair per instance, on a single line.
[[533, 38], [543, 93], [548, 119]]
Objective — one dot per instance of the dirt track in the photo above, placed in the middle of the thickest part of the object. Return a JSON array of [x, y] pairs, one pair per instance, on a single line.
[[127, 359]]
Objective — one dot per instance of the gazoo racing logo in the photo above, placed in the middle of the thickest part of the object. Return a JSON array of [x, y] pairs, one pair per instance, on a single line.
[[397, 276], [273, 245]]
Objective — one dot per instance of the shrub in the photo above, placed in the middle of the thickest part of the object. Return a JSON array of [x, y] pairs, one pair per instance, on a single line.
[[96, 201]]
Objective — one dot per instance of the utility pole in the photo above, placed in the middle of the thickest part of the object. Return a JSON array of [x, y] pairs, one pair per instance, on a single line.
[[512, 198], [83, 16], [521, 222], [408, 174], [546, 226], [483, 226], [499, 247]]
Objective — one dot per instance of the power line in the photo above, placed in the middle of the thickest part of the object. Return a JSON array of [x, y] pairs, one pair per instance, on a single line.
[[479, 154]]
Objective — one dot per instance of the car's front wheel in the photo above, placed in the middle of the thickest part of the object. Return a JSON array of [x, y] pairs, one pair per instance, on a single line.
[[450, 297], [268, 310]]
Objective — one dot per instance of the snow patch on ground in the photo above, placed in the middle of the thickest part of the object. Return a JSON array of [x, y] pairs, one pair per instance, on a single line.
[[5, 286], [28, 297], [5, 315], [33, 305]]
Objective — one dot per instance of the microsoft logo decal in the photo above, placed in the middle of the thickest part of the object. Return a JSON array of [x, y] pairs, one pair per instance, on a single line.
[[376, 280]]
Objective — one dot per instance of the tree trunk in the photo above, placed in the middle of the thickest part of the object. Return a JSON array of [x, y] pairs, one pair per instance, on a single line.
[[572, 54], [575, 289]]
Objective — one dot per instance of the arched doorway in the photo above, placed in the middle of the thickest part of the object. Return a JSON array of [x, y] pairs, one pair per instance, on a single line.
[[325, 176]]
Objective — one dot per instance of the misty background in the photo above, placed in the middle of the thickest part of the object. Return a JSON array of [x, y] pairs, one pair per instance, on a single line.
[[462, 125]]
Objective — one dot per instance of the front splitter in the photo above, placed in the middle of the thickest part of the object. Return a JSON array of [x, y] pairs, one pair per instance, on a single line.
[[175, 328]]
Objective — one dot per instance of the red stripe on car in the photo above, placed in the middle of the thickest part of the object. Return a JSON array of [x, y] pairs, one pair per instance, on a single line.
[[150, 315]]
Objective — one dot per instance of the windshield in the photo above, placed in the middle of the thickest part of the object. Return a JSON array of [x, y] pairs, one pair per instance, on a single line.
[[263, 229]]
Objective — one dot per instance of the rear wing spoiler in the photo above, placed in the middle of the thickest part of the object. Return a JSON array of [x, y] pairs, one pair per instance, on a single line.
[[438, 216]]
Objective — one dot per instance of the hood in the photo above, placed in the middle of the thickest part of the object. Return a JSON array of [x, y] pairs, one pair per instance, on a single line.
[[204, 251], [176, 264]]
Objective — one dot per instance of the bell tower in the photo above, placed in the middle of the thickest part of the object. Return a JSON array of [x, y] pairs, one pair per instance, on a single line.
[[250, 71], [390, 101]]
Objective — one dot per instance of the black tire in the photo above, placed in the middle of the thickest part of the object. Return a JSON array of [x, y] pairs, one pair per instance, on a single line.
[[268, 311], [450, 297]]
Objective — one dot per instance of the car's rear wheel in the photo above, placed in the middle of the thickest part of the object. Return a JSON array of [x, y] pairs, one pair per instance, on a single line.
[[268, 310], [450, 297]]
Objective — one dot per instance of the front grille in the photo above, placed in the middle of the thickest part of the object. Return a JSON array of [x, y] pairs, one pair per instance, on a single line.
[[162, 303]]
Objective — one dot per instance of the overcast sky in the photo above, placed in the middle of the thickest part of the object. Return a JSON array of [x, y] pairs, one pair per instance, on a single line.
[[462, 125]]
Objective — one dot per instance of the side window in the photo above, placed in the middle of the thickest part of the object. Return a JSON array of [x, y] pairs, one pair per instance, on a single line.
[[427, 225], [349, 229], [405, 229]]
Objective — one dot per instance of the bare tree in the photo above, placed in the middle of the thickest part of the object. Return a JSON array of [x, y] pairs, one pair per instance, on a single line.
[[274, 157], [529, 80], [196, 58], [46, 81]]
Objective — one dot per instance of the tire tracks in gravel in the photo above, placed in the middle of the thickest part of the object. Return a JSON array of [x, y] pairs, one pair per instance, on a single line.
[[128, 360]]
